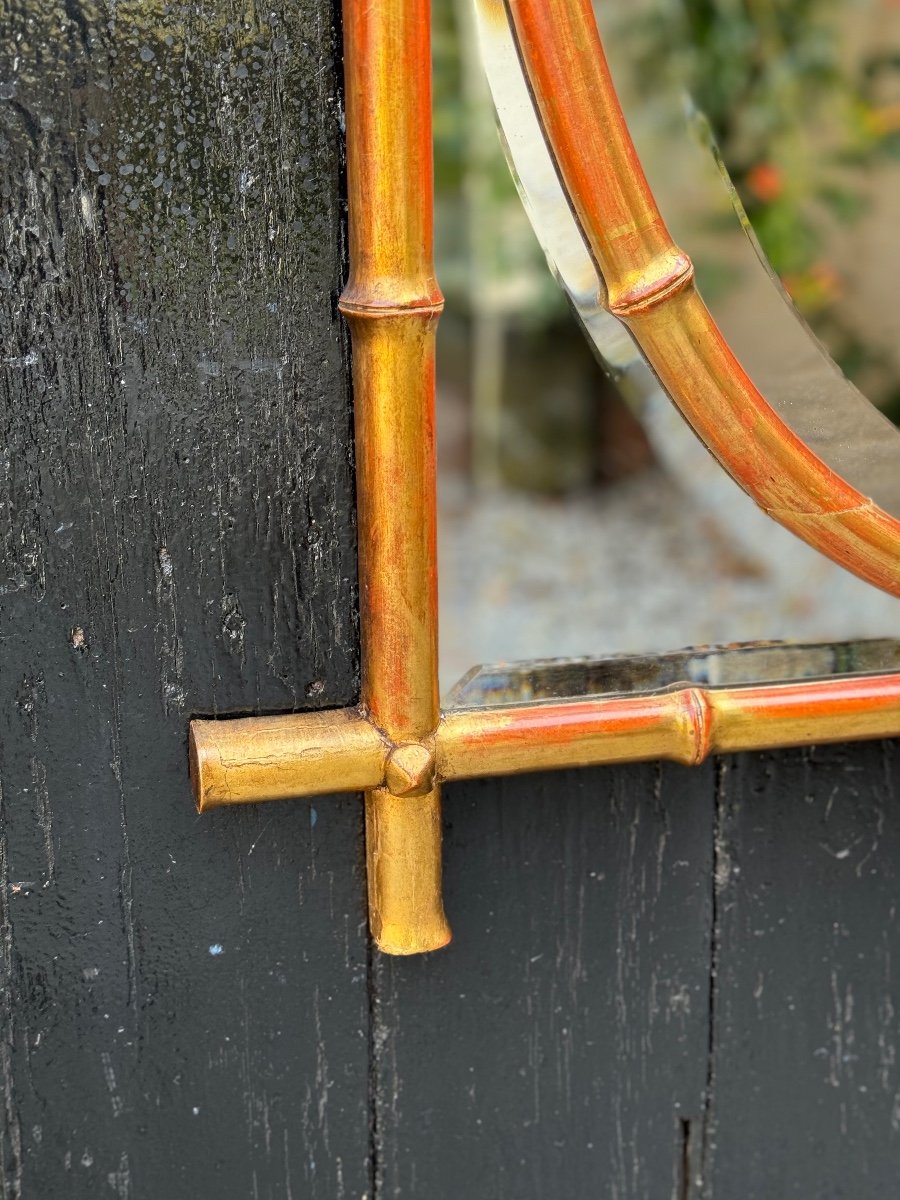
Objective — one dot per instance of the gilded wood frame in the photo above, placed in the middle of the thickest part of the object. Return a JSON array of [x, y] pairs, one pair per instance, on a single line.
[[396, 745]]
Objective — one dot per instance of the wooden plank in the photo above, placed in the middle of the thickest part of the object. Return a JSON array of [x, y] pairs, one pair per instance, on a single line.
[[184, 1006], [558, 1046], [805, 1097]]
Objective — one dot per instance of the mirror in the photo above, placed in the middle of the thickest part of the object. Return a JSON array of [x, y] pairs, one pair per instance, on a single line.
[[673, 553]]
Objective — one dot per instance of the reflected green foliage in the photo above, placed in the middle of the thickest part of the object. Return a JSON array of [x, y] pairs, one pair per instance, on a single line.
[[487, 255], [800, 121], [449, 104], [509, 355]]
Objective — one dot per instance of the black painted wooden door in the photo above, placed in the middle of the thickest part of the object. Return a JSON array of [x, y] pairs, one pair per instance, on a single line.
[[665, 983]]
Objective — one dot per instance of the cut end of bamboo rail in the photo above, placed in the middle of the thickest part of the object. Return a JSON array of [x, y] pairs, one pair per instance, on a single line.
[[252, 759], [403, 842]]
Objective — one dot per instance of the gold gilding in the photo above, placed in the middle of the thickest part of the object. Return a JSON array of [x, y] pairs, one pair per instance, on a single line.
[[392, 303], [272, 758], [410, 770], [403, 855]]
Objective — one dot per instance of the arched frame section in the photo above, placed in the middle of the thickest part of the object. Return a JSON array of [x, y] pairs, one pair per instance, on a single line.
[[650, 287]]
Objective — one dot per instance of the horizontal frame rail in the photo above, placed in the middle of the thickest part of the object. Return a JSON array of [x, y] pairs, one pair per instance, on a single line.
[[273, 758]]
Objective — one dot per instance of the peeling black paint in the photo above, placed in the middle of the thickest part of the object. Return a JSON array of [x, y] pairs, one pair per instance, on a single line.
[[183, 1000]]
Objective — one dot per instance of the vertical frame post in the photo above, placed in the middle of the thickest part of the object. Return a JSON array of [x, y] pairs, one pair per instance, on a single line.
[[392, 304]]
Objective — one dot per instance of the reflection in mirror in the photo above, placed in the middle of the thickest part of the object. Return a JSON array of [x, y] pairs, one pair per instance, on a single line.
[[578, 516]]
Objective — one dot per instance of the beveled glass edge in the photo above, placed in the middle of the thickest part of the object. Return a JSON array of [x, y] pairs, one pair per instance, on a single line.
[[734, 665]]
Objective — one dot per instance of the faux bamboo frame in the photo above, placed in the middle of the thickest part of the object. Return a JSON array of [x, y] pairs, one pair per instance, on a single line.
[[396, 745]]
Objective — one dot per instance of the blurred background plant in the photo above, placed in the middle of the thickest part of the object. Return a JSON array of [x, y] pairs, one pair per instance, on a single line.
[[803, 102], [518, 381]]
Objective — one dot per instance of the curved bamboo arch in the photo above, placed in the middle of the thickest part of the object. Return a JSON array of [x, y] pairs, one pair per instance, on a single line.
[[650, 287]]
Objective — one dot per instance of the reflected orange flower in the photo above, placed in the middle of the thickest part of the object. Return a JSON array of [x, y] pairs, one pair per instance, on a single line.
[[814, 289], [765, 181], [885, 120]]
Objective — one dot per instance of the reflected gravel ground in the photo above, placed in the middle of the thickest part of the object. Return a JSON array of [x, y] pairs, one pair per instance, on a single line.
[[637, 566]]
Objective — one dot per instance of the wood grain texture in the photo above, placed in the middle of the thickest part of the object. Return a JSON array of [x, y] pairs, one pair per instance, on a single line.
[[559, 1044], [666, 982], [183, 999], [805, 1082]]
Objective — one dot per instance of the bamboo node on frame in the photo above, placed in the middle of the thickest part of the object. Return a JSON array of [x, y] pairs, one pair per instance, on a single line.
[[664, 276], [700, 714], [416, 306]]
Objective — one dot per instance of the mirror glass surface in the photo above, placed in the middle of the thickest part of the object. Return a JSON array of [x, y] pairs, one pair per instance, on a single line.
[[578, 516]]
